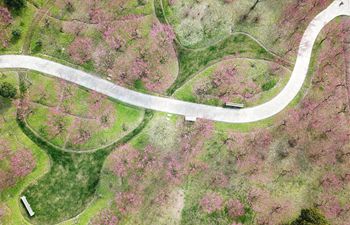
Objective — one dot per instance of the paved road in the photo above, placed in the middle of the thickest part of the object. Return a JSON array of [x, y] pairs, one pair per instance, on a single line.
[[188, 109]]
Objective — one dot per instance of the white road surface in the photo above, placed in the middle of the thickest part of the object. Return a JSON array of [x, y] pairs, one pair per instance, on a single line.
[[187, 109]]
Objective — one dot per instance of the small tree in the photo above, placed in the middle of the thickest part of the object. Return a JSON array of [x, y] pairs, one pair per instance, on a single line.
[[7, 90], [310, 217], [15, 4]]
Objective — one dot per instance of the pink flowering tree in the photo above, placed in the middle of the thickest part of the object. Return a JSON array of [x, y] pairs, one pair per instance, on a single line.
[[164, 34], [226, 84], [5, 21], [22, 163], [235, 208], [105, 217], [81, 49], [56, 123], [112, 38], [128, 202], [211, 202]]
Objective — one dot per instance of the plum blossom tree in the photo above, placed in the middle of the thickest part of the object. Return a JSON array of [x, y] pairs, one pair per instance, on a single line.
[[235, 208], [56, 123], [5, 21], [226, 84], [163, 33], [128, 202], [113, 39], [105, 217], [22, 163], [211, 202], [81, 49]]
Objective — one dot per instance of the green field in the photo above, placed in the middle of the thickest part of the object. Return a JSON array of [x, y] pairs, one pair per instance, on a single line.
[[254, 70], [126, 117]]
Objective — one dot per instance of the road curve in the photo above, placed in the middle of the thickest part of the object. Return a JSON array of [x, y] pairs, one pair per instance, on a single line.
[[252, 114]]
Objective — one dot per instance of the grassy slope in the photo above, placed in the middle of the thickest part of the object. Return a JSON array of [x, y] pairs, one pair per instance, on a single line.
[[125, 115], [12, 132], [22, 23], [72, 181], [259, 73], [192, 61]]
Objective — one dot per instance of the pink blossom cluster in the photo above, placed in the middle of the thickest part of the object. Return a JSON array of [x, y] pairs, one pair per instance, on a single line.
[[330, 181], [128, 202], [162, 32], [140, 68], [22, 163], [81, 49], [127, 158], [56, 124], [174, 171], [211, 202], [5, 20], [113, 40], [235, 208], [5, 16], [105, 217]]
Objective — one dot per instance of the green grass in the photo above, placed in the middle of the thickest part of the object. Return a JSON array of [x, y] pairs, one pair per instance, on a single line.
[[54, 41], [256, 70], [67, 188], [73, 179], [193, 61], [126, 118], [11, 132], [269, 85], [22, 23]]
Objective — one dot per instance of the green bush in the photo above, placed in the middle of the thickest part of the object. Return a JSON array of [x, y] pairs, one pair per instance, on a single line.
[[268, 85], [37, 47], [7, 90], [15, 4], [16, 35], [310, 217]]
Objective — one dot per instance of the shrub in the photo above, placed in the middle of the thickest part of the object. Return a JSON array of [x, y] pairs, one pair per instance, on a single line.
[[16, 35], [310, 217], [37, 47], [7, 90], [269, 85], [15, 4]]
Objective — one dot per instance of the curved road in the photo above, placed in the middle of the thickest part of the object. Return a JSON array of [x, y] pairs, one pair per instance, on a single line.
[[263, 111]]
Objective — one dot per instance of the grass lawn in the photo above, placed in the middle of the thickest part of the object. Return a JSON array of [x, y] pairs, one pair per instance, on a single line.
[[71, 183], [250, 69], [20, 23], [193, 61], [11, 132], [45, 94], [67, 188]]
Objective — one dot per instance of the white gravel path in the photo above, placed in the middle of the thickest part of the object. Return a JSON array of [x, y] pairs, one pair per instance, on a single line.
[[188, 109]]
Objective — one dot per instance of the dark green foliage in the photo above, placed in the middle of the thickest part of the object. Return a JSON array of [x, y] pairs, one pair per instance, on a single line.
[[310, 217], [269, 85], [70, 7], [7, 90], [141, 2], [38, 46], [159, 11], [16, 35], [16, 5]]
